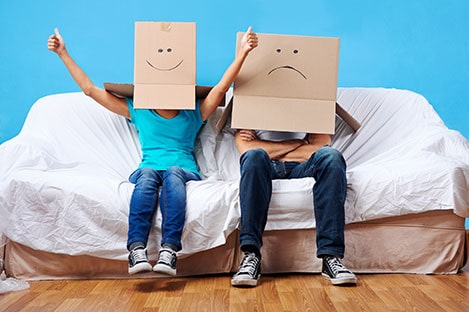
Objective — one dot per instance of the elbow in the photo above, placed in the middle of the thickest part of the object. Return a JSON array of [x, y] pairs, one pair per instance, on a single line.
[[88, 90], [220, 91]]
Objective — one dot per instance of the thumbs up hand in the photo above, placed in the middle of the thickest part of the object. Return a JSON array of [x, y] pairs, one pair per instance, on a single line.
[[56, 43], [249, 40]]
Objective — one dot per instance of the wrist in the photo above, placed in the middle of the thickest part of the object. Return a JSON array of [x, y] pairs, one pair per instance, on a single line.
[[62, 53], [243, 53]]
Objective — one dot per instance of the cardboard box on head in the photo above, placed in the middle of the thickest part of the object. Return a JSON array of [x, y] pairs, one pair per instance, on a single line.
[[165, 65], [288, 83]]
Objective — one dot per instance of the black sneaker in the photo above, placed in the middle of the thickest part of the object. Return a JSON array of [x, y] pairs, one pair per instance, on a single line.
[[138, 261], [249, 271], [336, 272], [166, 262]]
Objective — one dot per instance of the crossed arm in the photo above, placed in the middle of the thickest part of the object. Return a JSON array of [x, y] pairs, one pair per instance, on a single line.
[[289, 150]]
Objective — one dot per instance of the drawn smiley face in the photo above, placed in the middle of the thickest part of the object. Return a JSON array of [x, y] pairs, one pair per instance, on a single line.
[[165, 53], [161, 51], [288, 54]]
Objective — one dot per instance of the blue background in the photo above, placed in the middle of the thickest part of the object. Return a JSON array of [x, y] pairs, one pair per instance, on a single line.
[[417, 45]]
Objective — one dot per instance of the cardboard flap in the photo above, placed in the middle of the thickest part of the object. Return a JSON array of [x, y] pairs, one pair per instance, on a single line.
[[340, 111], [295, 115], [225, 116], [120, 89], [127, 90], [164, 96], [352, 122]]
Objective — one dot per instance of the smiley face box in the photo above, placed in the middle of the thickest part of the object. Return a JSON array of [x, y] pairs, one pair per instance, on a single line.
[[165, 65], [288, 83]]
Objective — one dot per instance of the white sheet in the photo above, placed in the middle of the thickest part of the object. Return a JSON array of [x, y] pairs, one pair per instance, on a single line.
[[64, 186]]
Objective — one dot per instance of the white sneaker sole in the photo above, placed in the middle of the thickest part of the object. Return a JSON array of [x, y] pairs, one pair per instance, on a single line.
[[140, 268], [164, 269], [340, 281], [249, 282]]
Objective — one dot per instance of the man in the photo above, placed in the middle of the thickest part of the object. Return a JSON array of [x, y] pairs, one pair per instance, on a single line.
[[267, 155]]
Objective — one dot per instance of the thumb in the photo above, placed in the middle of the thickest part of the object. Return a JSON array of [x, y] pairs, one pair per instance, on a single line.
[[56, 31], [249, 30]]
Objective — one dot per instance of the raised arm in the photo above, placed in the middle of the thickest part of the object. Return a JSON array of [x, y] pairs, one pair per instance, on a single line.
[[247, 139], [111, 102], [213, 99]]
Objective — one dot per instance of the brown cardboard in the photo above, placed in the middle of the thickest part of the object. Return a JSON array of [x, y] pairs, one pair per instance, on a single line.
[[120, 89], [349, 119], [127, 90], [288, 83], [340, 111], [165, 65]]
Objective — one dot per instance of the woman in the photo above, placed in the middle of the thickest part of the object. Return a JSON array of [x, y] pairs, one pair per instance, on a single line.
[[167, 138]]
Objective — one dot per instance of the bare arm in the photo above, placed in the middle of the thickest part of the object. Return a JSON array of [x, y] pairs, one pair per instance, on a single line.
[[213, 99], [304, 152], [111, 102], [246, 140]]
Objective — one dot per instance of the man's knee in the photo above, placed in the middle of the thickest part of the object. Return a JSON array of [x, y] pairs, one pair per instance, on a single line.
[[329, 155], [254, 158]]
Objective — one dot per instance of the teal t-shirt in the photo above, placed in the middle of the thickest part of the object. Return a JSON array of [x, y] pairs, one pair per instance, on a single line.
[[167, 142]]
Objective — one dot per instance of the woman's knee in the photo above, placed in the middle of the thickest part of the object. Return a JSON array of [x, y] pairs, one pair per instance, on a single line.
[[174, 171], [144, 176]]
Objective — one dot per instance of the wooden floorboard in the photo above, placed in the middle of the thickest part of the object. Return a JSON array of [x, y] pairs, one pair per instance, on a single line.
[[287, 292], [295, 292]]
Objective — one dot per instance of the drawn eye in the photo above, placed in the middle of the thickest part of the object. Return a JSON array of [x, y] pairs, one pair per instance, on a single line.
[[295, 51], [279, 50], [160, 50], [169, 50]]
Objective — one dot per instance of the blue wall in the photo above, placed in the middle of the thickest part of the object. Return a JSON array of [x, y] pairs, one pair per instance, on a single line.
[[417, 45]]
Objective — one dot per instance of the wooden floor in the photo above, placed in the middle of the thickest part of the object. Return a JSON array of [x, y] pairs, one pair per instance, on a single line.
[[297, 292]]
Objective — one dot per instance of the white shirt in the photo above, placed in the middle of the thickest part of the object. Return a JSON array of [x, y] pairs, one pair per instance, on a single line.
[[279, 135]]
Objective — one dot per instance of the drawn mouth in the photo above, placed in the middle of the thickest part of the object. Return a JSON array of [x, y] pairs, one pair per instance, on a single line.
[[288, 67], [164, 69]]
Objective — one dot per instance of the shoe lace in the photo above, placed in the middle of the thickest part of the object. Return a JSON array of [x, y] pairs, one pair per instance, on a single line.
[[139, 255], [336, 266], [166, 255], [249, 264]]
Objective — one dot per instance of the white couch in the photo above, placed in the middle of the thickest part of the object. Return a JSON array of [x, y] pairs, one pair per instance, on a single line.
[[64, 193]]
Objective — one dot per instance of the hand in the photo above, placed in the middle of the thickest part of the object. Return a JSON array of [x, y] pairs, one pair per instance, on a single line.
[[248, 135], [249, 40], [56, 43]]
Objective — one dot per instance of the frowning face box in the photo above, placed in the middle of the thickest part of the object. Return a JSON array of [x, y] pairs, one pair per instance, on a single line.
[[165, 65], [288, 83]]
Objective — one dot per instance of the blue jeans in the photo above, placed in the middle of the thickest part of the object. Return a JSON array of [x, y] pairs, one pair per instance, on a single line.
[[327, 166], [144, 202]]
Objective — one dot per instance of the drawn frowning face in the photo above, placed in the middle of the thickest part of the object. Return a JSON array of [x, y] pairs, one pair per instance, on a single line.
[[293, 53], [286, 66]]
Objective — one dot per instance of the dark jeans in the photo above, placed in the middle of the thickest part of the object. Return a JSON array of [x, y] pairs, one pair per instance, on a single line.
[[144, 203], [327, 166]]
